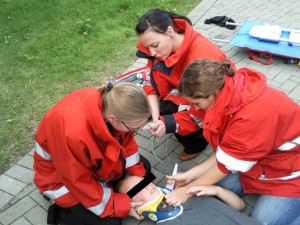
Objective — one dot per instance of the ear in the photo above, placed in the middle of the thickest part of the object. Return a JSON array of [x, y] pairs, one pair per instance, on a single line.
[[111, 118], [170, 31]]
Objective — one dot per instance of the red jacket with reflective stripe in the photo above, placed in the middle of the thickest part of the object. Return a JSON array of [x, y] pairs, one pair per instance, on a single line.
[[166, 74], [250, 121], [82, 148]]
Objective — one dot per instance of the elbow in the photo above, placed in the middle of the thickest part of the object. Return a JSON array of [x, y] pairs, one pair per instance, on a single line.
[[241, 206]]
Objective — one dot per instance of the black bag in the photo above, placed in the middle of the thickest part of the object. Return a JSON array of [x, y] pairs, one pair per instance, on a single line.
[[221, 21]]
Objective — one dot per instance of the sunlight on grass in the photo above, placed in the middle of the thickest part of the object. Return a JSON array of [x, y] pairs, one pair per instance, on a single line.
[[49, 48]]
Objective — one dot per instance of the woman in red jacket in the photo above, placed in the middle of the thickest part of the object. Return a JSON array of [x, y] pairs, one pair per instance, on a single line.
[[84, 144], [254, 131], [170, 43]]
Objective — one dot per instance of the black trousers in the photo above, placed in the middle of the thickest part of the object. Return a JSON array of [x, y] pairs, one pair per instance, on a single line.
[[192, 143], [79, 215]]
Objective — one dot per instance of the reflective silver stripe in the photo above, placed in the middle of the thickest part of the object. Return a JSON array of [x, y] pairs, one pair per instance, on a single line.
[[292, 176], [53, 194], [98, 209], [232, 163], [196, 120], [173, 92], [183, 107], [132, 160], [42, 152], [290, 144]]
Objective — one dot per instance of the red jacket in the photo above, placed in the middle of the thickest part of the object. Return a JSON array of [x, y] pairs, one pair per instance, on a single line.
[[255, 129], [166, 74], [76, 156]]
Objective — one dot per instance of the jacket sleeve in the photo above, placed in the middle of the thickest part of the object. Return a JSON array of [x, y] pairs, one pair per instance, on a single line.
[[133, 165], [183, 119], [180, 123], [164, 87]]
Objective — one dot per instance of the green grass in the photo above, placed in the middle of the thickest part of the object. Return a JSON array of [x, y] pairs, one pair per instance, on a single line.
[[49, 48]]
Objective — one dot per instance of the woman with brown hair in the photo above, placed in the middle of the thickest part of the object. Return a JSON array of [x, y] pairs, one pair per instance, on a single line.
[[254, 131], [170, 43]]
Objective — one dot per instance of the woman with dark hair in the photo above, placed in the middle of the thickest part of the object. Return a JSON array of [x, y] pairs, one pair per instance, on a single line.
[[84, 145], [170, 43], [254, 131]]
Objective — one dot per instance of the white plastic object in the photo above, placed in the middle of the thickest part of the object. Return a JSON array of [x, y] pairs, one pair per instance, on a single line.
[[273, 33], [147, 127], [170, 186]]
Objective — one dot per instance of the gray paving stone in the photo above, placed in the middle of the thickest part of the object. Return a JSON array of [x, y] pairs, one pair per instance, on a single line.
[[241, 64], [240, 56], [164, 148], [232, 52], [289, 85], [295, 78], [37, 215], [144, 143], [165, 167], [186, 165], [275, 70], [5, 199], [201, 158], [26, 161], [159, 177], [37, 197], [296, 72], [10, 185], [20, 173], [274, 84], [282, 77], [150, 156], [295, 94], [144, 134], [24, 192], [172, 159], [21, 221], [16, 211]]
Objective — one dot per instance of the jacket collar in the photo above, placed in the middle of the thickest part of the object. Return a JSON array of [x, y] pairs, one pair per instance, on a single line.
[[237, 92], [180, 26], [228, 101], [100, 128]]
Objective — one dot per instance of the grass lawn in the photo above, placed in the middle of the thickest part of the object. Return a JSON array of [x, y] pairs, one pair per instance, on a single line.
[[49, 48]]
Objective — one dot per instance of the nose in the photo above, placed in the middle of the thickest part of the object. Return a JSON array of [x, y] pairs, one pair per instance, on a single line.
[[149, 186], [153, 52]]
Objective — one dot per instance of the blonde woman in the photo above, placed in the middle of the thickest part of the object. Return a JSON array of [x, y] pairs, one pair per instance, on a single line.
[[84, 144]]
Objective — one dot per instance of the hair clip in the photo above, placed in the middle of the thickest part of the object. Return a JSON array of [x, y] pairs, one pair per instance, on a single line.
[[109, 86]]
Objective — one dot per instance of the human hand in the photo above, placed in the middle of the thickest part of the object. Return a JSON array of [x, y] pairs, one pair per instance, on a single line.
[[203, 190], [133, 210], [177, 196], [180, 179], [157, 128]]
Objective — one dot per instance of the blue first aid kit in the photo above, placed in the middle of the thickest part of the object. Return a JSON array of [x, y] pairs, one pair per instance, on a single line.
[[268, 40]]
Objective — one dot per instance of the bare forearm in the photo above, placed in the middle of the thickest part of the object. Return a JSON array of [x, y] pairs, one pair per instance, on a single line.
[[154, 105], [211, 176], [230, 199], [202, 168]]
